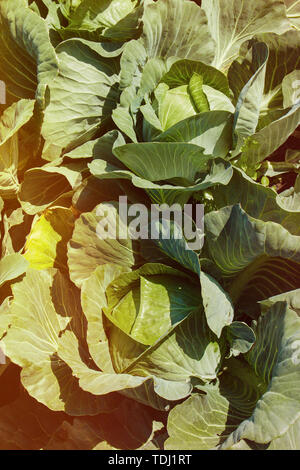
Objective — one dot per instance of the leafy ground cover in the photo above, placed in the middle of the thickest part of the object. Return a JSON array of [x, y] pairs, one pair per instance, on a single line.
[[116, 343]]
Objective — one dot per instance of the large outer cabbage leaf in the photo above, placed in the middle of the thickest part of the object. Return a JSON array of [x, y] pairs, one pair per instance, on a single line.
[[44, 304], [202, 172], [261, 258]]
